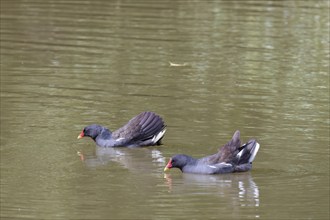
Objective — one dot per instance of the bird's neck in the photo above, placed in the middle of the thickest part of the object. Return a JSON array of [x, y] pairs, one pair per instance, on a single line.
[[105, 133]]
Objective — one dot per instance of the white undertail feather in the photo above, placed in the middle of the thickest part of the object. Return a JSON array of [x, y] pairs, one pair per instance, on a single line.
[[254, 152], [240, 154], [158, 136]]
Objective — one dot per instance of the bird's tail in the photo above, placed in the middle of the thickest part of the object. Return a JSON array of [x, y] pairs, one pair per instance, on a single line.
[[247, 153], [158, 137], [152, 128]]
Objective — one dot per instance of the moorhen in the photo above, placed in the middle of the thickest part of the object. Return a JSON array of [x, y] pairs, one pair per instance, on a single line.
[[145, 129], [232, 157]]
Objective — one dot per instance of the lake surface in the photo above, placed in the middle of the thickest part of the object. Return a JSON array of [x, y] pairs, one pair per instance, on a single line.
[[207, 67]]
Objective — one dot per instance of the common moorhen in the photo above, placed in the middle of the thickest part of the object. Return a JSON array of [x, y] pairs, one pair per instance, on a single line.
[[145, 129], [232, 157]]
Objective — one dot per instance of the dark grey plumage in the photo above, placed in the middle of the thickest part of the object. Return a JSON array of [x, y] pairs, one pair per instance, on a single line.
[[232, 157], [145, 129]]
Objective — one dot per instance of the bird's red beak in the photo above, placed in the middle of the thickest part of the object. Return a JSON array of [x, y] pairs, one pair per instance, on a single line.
[[81, 135], [168, 166]]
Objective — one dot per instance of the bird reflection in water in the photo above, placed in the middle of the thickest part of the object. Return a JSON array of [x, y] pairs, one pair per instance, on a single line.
[[239, 188], [134, 159]]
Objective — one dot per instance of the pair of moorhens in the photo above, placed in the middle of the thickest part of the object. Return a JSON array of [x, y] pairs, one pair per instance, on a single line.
[[148, 128]]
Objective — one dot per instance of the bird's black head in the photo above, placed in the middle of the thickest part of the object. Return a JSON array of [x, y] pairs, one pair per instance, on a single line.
[[179, 161], [91, 131]]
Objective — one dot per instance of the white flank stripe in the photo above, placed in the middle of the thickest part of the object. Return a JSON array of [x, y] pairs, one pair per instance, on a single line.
[[119, 139], [226, 164]]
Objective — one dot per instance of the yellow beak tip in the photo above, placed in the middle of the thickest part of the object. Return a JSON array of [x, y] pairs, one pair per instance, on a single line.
[[166, 169]]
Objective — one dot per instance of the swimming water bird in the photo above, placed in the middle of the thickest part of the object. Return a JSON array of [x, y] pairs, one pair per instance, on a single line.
[[145, 129], [232, 157]]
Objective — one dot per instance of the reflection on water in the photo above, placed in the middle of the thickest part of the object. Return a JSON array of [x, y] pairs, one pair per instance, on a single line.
[[133, 159], [236, 189]]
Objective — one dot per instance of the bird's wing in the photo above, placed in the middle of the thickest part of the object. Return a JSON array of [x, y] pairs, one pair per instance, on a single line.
[[142, 127], [226, 153]]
